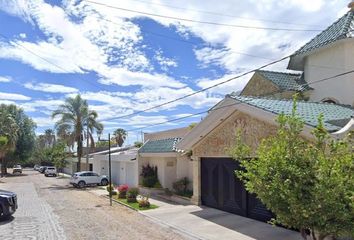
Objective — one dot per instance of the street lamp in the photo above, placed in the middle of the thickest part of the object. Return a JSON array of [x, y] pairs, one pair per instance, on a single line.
[[109, 165]]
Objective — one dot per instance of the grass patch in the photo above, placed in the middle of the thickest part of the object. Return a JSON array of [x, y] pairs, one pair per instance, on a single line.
[[134, 205]]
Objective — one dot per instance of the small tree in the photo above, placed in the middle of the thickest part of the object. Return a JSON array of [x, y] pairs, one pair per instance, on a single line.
[[309, 186]]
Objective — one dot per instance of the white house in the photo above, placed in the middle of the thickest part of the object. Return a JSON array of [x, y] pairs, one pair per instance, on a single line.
[[124, 165]]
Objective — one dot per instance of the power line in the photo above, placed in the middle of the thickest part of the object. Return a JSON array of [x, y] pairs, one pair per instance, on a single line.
[[186, 41], [199, 91], [204, 22], [233, 104], [224, 15]]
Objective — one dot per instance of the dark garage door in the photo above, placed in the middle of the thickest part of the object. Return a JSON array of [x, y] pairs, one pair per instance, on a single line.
[[221, 189]]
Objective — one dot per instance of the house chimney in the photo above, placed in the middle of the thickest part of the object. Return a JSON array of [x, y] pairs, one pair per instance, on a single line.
[[351, 6]]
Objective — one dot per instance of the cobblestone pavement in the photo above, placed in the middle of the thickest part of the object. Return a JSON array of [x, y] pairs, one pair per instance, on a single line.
[[51, 209]]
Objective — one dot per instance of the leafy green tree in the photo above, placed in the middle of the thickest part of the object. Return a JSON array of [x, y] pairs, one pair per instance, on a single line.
[[308, 185], [120, 136], [19, 130], [74, 117]]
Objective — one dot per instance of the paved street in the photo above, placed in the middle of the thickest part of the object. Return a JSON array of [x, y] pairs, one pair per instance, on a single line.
[[51, 209]]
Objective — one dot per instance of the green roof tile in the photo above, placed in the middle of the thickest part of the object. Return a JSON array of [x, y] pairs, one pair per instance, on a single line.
[[286, 81], [341, 29], [160, 146], [308, 111]]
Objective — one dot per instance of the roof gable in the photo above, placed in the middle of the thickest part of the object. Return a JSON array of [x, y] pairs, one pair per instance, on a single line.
[[308, 111], [286, 81], [341, 29], [160, 146]]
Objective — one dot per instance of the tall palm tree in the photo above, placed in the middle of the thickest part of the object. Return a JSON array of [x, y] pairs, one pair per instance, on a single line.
[[49, 137], [75, 115], [9, 131], [120, 136]]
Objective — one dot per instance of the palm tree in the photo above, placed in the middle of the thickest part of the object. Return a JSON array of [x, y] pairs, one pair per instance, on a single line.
[[120, 136], [75, 115], [8, 134], [49, 137]]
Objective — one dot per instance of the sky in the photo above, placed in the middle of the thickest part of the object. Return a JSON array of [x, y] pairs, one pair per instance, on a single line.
[[123, 61]]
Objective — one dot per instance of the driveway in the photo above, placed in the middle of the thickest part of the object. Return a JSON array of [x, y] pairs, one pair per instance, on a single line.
[[208, 223]]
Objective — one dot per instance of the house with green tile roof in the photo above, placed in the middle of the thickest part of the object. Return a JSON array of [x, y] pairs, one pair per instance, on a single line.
[[327, 55], [254, 111], [255, 117], [159, 150], [276, 84]]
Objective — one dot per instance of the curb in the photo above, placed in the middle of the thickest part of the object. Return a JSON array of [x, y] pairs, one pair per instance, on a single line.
[[158, 221], [126, 205]]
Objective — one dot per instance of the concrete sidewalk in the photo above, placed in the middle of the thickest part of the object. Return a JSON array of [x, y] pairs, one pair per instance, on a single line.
[[208, 223]]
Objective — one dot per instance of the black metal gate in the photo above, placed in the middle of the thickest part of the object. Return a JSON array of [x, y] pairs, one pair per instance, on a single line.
[[221, 189]]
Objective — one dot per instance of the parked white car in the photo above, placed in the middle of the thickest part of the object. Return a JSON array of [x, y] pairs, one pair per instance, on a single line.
[[50, 171], [81, 179]]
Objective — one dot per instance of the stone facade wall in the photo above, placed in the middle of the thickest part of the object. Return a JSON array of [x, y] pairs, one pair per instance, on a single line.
[[218, 142], [258, 86]]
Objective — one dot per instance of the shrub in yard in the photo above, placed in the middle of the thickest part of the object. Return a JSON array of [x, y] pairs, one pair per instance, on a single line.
[[157, 184], [181, 187], [122, 191], [149, 181], [132, 194], [110, 188], [149, 176], [144, 202]]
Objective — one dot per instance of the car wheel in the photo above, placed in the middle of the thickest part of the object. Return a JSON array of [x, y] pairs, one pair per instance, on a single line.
[[104, 182], [81, 184]]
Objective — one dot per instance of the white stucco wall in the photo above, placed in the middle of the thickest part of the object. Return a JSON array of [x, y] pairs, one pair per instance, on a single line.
[[123, 172], [327, 62], [166, 169], [185, 169]]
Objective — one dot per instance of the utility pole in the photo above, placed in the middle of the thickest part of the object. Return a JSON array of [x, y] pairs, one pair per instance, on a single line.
[[87, 144], [110, 169]]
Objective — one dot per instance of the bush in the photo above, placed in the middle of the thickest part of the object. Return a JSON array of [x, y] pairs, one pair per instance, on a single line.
[[157, 184], [132, 194], [149, 181], [181, 186], [149, 175], [122, 190], [144, 202], [110, 188]]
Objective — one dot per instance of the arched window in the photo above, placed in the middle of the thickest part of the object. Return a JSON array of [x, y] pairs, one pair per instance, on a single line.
[[330, 100]]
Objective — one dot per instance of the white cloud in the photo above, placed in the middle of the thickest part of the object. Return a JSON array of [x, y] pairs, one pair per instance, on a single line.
[[44, 121], [22, 35], [45, 106], [51, 88], [13, 96], [5, 79], [164, 62]]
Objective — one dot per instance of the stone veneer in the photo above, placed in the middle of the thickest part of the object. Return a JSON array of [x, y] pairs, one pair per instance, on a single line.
[[259, 86], [218, 142]]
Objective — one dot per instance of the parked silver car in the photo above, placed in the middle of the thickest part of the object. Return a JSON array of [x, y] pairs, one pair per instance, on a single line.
[[50, 171], [82, 179]]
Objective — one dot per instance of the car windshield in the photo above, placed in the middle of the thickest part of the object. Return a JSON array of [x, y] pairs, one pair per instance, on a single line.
[[17, 166]]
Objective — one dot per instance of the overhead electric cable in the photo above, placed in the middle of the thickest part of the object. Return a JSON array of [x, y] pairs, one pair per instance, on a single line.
[[233, 104], [204, 22]]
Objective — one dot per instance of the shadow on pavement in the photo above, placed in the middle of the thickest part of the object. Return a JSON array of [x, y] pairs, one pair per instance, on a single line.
[[246, 226], [6, 220]]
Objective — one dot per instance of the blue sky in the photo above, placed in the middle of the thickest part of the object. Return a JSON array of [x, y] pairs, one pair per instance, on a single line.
[[123, 62]]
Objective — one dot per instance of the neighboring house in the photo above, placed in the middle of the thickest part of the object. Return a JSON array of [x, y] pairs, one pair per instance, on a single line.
[[160, 150], [328, 54], [214, 182], [124, 165]]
